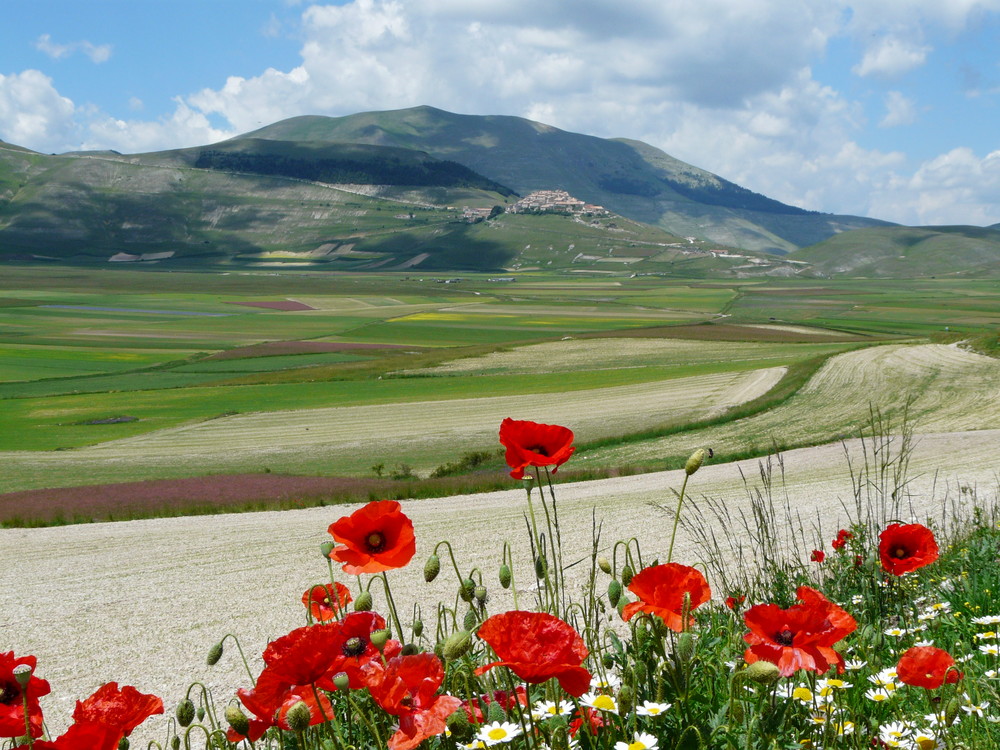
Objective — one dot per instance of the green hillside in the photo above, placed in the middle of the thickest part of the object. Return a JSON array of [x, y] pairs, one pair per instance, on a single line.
[[902, 252], [631, 178]]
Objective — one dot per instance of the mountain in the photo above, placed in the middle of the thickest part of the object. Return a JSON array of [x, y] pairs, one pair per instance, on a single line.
[[900, 252], [629, 177]]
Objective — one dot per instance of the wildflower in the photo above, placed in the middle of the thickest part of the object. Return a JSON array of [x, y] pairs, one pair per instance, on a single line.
[[351, 648], [906, 547], [537, 646], [988, 635], [534, 444], [818, 556], [649, 708], [885, 678], [987, 620], [853, 665], [119, 709], [407, 687], [661, 590], [979, 709], [12, 696], [924, 643], [896, 632], [642, 741], [857, 599], [324, 602], [828, 686], [600, 701], [924, 739], [800, 637], [497, 732], [841, 541], [927, 667], [376, 537], [990, 649], [878, 696], [734, 601], [894, 734], [548, 709], [610, 681]]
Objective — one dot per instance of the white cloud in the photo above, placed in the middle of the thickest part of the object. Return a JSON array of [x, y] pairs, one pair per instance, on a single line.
[[891, 57], [899, 110], [185, 126], [33, 114], [98, 53], [957, 187]]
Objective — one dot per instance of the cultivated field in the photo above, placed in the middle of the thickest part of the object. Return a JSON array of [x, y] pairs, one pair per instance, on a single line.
[[141, 602], [941, 389]]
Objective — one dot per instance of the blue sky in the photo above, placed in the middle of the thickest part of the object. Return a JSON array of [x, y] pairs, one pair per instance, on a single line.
[[884, 108]]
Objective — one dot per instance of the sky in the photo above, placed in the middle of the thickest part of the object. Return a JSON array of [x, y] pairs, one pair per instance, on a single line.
[[880, 108]]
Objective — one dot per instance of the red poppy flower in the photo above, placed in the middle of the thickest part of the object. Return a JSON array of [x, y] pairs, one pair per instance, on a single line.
[[121, 709], [534, 444], [83, 737], [906, 547], [376, 537], [818, 555], [352, 648], [927, 667], [734, 601], [12, 698], [304, 655], [593, 718], [841, 541], [324, 602], [800, 637], [407, 687], [537, 646], [661, 591]]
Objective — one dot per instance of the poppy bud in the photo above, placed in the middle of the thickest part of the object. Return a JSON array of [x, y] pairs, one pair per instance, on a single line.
[[470, 620], [696, 460], [540, 567], [951, 711], [409, 649], [621, 606], [607, 660], [185, 712], [736, 711], [467, 589], [298, 717], [626, 575], [327, 744], [379, 638], [685, 647], [431, 568], [214, 654], [200, 713], [341, 681], [762, 672], [237, 720], [480, 594], [22, 673], [325, 549], [614, 592], [458, 723], [603, 564], [364, 602], [505, 576], [175, 743], [457, 645], [418, 628], [439, 649], [123, 743], [626, 700], [495, 712]]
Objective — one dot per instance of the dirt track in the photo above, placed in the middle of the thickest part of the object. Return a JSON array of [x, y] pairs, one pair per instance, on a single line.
[[141, 602]]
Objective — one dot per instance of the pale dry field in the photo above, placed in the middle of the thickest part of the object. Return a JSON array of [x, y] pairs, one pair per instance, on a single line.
[[948, 390], [419, 433], [141, 602]]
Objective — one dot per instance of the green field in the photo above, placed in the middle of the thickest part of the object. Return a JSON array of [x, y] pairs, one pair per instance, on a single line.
[[98, 363]]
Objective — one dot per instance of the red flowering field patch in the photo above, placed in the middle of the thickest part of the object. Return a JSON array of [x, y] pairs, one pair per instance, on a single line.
[[284, 305]]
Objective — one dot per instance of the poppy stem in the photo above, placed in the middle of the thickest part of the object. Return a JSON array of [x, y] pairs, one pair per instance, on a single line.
[[27, 716], [392, 606], [677, 518]]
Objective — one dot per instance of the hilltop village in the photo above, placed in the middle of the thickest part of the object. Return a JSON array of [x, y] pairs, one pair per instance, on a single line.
[[539, 202]]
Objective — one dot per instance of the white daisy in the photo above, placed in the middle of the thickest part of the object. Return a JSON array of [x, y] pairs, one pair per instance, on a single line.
[[642, 741], [649, 708], [548, 709], [497, 732], [600, 701]]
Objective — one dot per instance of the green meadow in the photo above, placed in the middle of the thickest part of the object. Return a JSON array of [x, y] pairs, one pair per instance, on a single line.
[[89, 357]]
